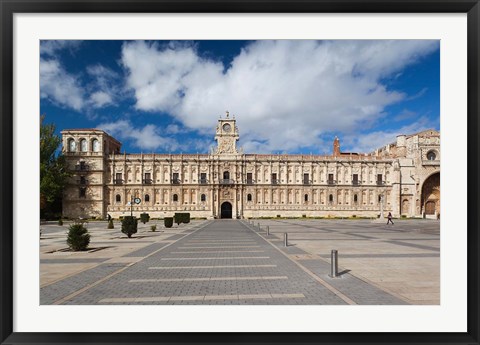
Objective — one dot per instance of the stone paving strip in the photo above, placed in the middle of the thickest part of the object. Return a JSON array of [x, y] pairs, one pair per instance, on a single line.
[[204, 279], [220, 247], [200, 298], [215, 266], [147, 250], [72, 261], [220, 258], [220, 252]]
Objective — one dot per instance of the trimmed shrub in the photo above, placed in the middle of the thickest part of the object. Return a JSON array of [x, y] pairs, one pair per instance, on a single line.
[[178, 218], [181, 218], [60, 222], [144, 217], [78, 237], [168, 222], [153, 227], [110, 224], [129, 225]]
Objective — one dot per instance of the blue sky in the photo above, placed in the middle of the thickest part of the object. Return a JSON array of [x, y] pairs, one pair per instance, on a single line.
[[288, 96]]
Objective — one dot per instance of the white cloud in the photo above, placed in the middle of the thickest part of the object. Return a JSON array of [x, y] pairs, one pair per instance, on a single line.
[[104, 86], [59, 86], [68, 90], [51, 47], [100, 99], [145, 138], [370, 141], [306, 87]]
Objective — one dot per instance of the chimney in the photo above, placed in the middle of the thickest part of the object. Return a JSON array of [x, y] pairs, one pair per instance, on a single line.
[[336, 147]]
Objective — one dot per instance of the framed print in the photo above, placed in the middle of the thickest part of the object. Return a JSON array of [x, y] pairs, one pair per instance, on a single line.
[[239, 172]]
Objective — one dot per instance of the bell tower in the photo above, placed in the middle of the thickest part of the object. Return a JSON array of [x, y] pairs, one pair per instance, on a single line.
[[226, 135]]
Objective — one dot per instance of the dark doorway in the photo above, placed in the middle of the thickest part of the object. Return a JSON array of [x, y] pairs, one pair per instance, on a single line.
[[430, 207], [226, 209]]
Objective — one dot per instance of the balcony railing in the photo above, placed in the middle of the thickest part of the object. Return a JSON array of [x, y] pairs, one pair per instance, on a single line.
[[275, 182], [307, 182], [380, 183], [356, 183], [250, 181], [203, 181], [226, 181], [147, 181], [176, 181], [331, 182], [82, 167], [118, 181]]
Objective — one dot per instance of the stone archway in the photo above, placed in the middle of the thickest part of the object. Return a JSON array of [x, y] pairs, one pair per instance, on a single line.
[[226, 210], [431, 196]]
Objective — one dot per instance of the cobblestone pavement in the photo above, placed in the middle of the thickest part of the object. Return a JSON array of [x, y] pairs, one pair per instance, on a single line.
[[217, 262]]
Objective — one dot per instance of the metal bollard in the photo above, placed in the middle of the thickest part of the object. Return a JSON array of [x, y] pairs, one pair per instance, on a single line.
[[258, 224], [285, 239], [268, 230], [334, 264]]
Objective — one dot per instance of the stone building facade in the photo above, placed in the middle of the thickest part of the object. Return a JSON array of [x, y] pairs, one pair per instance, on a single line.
[[401, 177]]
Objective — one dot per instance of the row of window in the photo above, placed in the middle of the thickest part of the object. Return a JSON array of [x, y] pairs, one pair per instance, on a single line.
[[146, 198], [305, 198], [226, 178], [203, 197], [83, 145]]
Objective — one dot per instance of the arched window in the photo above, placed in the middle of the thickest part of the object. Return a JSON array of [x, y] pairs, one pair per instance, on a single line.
[[72, 147], [83, 145], [147, 198], [330, 198], [249, 197], [355, 198], [175, 197], [118, 198], [305, 197], [431, 156], [226, 175], [95, 145], [203, 197]]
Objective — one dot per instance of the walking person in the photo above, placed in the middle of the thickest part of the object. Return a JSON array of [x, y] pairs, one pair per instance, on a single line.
[[389, 218]]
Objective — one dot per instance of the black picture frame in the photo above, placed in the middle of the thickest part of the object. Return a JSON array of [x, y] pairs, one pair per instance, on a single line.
[[10, 7]]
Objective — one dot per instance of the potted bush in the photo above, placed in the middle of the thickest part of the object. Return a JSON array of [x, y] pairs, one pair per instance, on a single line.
[[129, 225], [110, 224], [144, 217], [168, 222], [78, 237]]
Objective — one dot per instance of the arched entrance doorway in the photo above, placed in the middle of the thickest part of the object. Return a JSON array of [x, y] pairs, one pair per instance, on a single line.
[[431, 196], [226, 210]]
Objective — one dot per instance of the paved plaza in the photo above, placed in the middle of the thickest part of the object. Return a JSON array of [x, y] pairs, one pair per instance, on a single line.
[[236, 262]]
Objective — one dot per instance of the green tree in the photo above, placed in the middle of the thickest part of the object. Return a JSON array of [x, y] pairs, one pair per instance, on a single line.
[[53, 171], [78, 237]]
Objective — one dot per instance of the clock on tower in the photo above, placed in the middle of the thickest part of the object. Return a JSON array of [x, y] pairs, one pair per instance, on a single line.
[[226, 135]]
